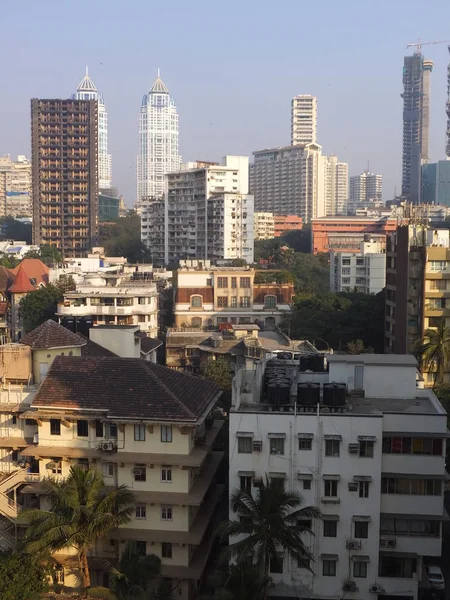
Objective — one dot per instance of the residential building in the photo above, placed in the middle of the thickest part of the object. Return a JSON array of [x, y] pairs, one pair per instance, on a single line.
[[349, 231], [112, 299], [304, 120], [158, 152], [285, 223], [65, 184], [213, 296], [447, 110], [363, 272], [436, 183], [159, 443], [289, 180], [206, 213], [336, 186], [87, 91], [263, 225], [108, 208], [17, 249], [15, 187], [365, 188], [416, 123], [367, 448]]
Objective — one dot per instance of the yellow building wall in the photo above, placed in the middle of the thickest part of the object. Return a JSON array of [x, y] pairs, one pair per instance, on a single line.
[[179, 522], [179, 484], [46, 357], [182, 443]]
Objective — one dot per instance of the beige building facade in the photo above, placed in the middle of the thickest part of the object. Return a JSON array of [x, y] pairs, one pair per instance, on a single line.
[[16, 198]]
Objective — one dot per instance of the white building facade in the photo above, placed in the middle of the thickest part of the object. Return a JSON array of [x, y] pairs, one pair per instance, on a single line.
[[158, 152], [16, 187], [363, 272], [369, 453], [87, 91], [304, 120], [364, 188], [263, 226], [336, 186]]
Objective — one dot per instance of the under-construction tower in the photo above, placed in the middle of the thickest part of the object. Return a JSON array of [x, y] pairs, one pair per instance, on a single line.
[[447, 145]]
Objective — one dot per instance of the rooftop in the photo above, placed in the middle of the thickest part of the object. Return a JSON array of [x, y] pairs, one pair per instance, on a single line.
[[406, 360], [52, 335]]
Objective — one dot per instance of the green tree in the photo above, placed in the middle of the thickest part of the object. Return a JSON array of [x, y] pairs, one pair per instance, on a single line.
[[11, 229], [123, 238], [40, 305], [218, 371], [9, 261], [49, 255], [299, 239], [357, 347], [433, 350], [133, 578], [81, 512], [21, 577], [269, 522]]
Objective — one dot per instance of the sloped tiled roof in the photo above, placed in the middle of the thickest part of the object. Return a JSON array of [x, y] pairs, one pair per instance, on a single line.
[[128, 388], [93, 349], [34, 268], [51, 335], [22, 283], [6, 278], [148, 344]]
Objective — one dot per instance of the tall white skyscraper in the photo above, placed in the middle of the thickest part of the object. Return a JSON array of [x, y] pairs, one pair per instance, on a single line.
[[365, 188], [336, 186], [158, 141], [87, 91], [304, 120]]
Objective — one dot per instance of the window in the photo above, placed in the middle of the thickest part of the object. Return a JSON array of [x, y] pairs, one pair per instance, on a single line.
[[14, 420], [361, 530], [55, 427], [111, 431], [345, 272], [307, 484], [222, 302], [166, 550], [139, 433], [270, 302], [413, 527], [82, 428], [141, 511], [141, 548], [166, 433], [166, 513], [166, 474], [233, 301], [141, 300], [329, 568], [277, 446], [277, 482], [363, 489], [108, 469], [196, 301], [304, 563], [276, 564], [304, 443], [244, 282], [140, 472], [346, 261], [59, 576], [244, 302], [438, 284], [98, 429], [234, 282], [345, 281], [329, 528], [30, 422], [366, 449], [331, 488], [246, 484], [222, 282], [56, 466], [332, 447], [407, 445], [359, 569], [391, 566], [245, 445], [438, 265], [417, 487]]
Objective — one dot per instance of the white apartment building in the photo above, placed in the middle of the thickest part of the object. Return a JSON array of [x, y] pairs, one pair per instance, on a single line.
[[111, 299], [87, 91], [365, 188], [158, 151], [15, 187], [363, 272], [336, 186], [304, 120], [367, 448], [263, 226], [206, 213]]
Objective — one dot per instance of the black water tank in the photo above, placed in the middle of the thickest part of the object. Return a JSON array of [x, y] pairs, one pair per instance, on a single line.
[[284, 393], [317, 362], [69, 323], [272, 393], [84, 324], [334, 394], [308, 394], [306, 362]]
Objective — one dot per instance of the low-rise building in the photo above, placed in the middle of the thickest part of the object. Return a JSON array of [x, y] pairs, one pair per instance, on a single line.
[[363, 272], [347, 232], [285, 223], [264, 225], [367, 448]]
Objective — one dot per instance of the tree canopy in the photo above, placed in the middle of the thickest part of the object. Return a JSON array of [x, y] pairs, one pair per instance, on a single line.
[[46, 253], [40, 305], [11, 229], [218, 372], [21, 577], [433, 351], [123, 238]]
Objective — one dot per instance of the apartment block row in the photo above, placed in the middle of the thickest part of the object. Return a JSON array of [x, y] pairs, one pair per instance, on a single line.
[[363, 271]]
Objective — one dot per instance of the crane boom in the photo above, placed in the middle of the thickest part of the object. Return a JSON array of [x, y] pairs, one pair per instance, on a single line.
[[419, 44]]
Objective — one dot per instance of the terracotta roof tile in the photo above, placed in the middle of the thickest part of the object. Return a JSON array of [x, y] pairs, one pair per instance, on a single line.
[[51, 335], [34, 269], [128, 388], [6, 278], [22, 283]]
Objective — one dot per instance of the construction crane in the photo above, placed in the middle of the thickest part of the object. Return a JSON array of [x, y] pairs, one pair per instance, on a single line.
[[418, 45]]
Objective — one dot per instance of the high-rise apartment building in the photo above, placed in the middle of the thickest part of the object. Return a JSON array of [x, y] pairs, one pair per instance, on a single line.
[[15, 187], [364, 188], [206, 213], [158, 152], [289, 181], [416, 121], [304, 120], [336, 186], [87, 91], [65, 185], [363, 272]]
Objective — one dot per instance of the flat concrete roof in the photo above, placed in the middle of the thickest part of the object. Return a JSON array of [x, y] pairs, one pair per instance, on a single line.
[[406, 360], [421, 404]]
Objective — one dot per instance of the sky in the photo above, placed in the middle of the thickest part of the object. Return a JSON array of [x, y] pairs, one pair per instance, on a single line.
[[233, 68]]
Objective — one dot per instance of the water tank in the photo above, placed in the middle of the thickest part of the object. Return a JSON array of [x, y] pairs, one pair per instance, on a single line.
[[84, 324], [308, 394], [284, 393], [317, 362], [69, 323], [334, 394], [305, 363], [272, 393]]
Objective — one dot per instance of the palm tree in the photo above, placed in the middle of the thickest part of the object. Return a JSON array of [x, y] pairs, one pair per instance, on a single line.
[[270, 522], [241, 581], [131, 581], [433, 349], [81, 512]]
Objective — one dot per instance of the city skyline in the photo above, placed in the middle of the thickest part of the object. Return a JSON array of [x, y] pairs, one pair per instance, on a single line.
[[217, 106]]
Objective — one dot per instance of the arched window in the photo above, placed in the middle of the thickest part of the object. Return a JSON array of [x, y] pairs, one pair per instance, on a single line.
[[196, 322], [196, 301], [270, 301]]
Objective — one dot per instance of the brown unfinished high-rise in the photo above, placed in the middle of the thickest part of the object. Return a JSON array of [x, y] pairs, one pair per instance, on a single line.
[[65, 179]]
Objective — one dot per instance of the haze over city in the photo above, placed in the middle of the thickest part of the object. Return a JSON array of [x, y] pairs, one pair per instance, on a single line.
[[233, 70]]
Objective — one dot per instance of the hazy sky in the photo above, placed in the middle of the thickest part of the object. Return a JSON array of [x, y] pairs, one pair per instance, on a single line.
[[232, 67]]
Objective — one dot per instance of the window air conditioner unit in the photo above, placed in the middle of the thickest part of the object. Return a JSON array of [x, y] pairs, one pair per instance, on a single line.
[[257, 445], [388, 542], [353, 545], [107, 446], [353, 448], [352, 486], [376, 588]]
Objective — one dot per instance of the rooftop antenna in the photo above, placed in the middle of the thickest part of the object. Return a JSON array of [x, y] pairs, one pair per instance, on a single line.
[[159, 72]]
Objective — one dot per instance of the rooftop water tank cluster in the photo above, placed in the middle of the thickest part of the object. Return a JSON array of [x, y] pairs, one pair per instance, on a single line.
[[334, 394]]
